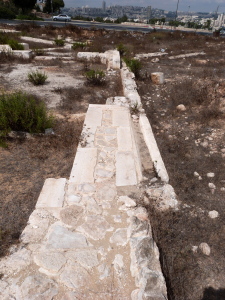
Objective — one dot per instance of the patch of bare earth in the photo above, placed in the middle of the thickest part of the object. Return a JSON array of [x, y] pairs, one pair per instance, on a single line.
[[192, 146]]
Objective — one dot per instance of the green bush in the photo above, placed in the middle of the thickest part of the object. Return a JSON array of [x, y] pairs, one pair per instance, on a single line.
[[15, 45], [23, 112], [59, 42], [29, 17], [78, 45], [37, 78], [134, 65], [122, 49], [95, 77]]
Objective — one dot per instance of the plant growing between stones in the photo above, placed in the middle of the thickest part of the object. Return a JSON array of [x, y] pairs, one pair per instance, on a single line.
[[59, 42], [37, 78], [134, 65], [123, 50], [134, 108], [95, 77]]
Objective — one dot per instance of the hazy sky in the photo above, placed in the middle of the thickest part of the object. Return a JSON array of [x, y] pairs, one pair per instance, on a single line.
[[195, 5]]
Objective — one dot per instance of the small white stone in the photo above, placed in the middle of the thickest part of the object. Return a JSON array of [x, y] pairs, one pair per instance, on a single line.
[[200, 178], [213, 214], [212, 186], [210, 175], [196, 174], [194, 249], [181, 107], [205, 248], [222, 189]]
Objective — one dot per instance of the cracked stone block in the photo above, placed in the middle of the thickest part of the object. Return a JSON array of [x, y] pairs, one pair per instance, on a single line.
[[139, 228], [36, 287], [95, 227], [86, 258], [106, 193], [71, 215], [119, 237], [60, 237], [74, 276], [52, 261]]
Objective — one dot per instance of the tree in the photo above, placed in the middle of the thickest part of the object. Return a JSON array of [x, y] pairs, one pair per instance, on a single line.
[[54, 5], [25, 5]]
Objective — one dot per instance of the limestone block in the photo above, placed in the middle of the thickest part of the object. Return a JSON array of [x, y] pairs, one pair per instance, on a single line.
[[121, 117], [87, 258], [60, 237], [75, 276], [27, 54], [52, 193], [157, 77], [38, 286], [204, 247], [52, 262], [124, 139], [25, 46], [119, 237], [5, 48], [84, 165], [125, 169], [70, 215]]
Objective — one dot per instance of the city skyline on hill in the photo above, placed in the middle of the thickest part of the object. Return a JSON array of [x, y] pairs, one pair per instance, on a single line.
[[184, 5]]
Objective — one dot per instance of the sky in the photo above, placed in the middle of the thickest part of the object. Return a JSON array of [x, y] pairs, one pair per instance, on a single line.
[[195, 5]]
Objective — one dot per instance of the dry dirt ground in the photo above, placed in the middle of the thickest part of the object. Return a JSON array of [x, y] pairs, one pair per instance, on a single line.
[[190, 141]]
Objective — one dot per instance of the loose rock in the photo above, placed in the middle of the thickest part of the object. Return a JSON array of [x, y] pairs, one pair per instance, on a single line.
[[205, 248], [213, 214]]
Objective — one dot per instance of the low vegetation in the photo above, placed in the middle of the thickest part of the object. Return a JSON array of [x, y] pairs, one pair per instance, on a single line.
[[134, 65], [23, 112], [59, 42], [37, 78], [95, 77]]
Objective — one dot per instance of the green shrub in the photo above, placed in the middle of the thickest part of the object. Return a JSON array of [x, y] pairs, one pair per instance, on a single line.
[[39, 52], [122, 49], [78, 45], [29, 17], [134, 65], [23, 112], [95, 77], [37, 78], [59, 42], [15, 45]]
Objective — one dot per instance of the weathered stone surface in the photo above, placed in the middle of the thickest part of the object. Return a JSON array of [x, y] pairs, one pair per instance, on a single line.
[[95, 227], [35, 231], [99, 172], [181, 107], [16, 262], [119, 264], [106, 193], [125, 169], [52, 193], [71, 215], [139, 228], [124, 139], [86, 188], [51, 261], [92, 206], [104, 271], [73, 199], [121, 117], [74, 276], [70, 296], [60, 237], [210, 175], [36, 287], [119, 237], [86, 258], [127, 201], [204, 247]]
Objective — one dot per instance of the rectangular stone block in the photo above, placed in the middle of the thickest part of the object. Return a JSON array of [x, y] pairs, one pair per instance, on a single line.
[[52, 193], [125, 169], [93, 117], [124, 139], [84, 165], [121, 117]]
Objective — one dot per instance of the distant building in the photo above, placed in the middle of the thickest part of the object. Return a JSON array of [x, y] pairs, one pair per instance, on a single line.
[[149, 13], [104, 6]]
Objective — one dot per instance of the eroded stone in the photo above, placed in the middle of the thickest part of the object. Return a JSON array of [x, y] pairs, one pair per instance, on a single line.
[[86, 258], [52, 261], [74, 276], [71, 215], [119, 237]]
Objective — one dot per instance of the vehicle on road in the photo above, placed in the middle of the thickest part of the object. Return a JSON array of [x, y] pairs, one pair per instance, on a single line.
[[61, 18]]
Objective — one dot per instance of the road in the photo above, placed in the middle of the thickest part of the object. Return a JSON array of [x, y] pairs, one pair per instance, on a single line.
[[86, 24]]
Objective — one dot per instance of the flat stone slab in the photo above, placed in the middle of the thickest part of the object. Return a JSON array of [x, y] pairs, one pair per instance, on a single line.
[[84, 165], [124, 139], [125, 169], [62, 238], [121, 117], [52, 194]]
